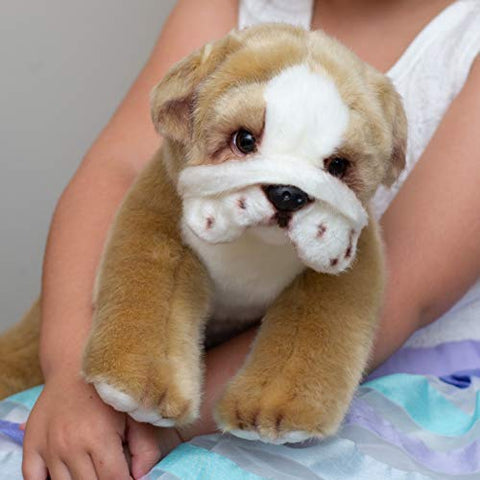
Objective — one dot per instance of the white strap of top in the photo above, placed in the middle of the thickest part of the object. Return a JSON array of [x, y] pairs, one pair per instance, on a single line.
[[295, 12]]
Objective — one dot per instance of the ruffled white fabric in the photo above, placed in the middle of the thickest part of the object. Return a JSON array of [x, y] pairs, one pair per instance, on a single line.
[[295, 12]]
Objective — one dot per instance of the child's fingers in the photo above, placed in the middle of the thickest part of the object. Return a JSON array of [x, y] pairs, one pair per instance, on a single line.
[[144, 447], [59, 471], [145, 460], [110, 462], [81, 468], [148, 445], [33, 466]]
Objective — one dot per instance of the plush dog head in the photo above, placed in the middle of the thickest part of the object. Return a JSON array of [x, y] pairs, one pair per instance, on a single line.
[[283, 132]]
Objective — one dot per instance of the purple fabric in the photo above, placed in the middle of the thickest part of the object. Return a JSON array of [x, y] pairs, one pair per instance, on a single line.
[[460, 461], [12, 430], [441, 360]]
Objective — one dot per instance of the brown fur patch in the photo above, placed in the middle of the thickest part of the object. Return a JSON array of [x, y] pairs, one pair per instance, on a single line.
[[243, 107]]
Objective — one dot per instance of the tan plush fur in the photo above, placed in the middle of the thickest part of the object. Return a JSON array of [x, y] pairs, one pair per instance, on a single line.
[[310, 352], [154, 295], [152, 303], [19, 362]]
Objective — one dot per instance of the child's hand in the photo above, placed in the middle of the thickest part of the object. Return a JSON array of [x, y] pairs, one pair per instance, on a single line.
[[148, 444], [74, 435]]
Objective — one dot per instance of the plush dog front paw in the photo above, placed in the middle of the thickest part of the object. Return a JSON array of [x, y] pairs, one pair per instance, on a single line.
[[275, 411], [163, 394]]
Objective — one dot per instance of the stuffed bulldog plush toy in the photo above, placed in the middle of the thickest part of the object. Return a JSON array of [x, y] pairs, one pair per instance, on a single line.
[[255, 207]]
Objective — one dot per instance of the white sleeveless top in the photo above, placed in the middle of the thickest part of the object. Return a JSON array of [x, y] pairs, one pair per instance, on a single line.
[[429, 75]]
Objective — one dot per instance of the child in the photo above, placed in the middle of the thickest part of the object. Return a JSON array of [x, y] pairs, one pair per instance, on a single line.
[[431, 229]]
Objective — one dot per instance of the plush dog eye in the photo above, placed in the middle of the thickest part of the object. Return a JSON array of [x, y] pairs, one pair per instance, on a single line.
[[244, 142], [337, 166]]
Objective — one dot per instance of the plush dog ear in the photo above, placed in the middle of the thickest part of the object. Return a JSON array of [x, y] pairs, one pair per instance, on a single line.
[[172, 100], [395, 116]]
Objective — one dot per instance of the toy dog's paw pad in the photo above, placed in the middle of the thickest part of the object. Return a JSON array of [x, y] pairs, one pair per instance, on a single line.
[[266, 426], [288, 437], [115, 398], [125, 403], [149, 416], [295, 436]]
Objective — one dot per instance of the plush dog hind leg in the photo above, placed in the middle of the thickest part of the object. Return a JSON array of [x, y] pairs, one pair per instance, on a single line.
[[152, 300], [309, 355], [19, 361]]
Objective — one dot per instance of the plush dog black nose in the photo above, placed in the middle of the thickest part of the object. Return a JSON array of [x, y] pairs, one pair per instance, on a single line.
[[286, 198]]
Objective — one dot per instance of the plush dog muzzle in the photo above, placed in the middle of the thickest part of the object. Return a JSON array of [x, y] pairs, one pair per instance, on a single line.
[[281, 200]]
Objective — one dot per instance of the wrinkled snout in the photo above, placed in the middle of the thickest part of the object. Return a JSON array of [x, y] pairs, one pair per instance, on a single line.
[[286, 198]]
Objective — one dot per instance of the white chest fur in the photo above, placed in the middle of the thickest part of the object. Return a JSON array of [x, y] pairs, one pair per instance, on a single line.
[[247, 274]]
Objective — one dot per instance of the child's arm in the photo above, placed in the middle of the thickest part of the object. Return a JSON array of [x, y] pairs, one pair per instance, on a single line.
[[70, 431], [431, 231], [432, 228]]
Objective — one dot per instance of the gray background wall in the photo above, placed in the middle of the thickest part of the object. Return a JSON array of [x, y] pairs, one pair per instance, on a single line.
[[65, 66]]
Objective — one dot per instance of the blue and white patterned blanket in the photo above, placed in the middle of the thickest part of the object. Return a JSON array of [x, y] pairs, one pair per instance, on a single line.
[[416, 418]]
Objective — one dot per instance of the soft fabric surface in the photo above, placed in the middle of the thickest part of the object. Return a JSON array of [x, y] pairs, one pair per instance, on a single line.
[[415, 418]]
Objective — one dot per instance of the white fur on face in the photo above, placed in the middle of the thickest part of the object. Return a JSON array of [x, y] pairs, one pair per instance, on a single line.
[[305, 115], [221, 201], [305, 122]]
